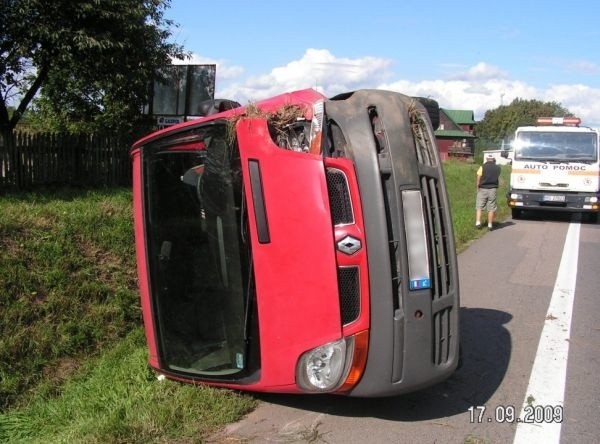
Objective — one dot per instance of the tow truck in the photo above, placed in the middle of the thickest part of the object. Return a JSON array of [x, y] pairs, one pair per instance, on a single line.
[[555, 168]]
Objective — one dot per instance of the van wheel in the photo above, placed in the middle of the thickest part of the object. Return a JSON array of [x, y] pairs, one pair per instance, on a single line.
[[516, 214], [433, 110]]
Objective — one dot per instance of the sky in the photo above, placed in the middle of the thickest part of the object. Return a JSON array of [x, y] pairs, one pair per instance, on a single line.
[[469, 55]]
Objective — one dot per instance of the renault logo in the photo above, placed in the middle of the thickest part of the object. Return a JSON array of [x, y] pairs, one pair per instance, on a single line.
[[349, 245]]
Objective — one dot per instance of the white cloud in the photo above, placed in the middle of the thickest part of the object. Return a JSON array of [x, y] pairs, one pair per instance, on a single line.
[[484, 87], [585, 67], [479, 88], [581, 100], [317, 68], [478, 96], [480, 72]]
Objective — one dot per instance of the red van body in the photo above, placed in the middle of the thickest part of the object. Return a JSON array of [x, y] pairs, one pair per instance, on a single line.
[[299, 245]]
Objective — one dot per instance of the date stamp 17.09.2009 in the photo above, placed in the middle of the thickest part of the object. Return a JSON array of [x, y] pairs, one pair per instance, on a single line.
[[532, 414]]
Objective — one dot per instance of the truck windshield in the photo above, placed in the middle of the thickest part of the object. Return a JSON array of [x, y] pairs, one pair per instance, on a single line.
[[198, 251], [557, 146]]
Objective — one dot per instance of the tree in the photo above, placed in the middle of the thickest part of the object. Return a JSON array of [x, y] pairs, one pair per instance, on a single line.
[[500, 123], [86, 61]]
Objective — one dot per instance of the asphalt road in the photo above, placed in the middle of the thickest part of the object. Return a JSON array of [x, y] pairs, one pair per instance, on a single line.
[[507, 281]]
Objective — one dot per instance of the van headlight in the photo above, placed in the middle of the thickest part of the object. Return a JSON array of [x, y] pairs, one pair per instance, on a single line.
[[324, 368]]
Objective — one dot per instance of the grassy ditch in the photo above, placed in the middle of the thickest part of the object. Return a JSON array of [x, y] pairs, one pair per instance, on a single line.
[[72, 352], [67, 284]]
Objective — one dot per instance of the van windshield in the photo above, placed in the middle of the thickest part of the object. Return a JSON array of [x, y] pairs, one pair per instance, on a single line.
[[556, 146], [198, 251]]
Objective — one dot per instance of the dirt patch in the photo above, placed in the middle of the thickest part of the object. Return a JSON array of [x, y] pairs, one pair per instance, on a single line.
[[62, 370], [12, 245], [107, 263], [111, 209]]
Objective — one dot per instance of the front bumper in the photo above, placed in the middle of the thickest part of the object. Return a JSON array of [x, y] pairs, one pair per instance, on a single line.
[[553, 201], [414, 334]]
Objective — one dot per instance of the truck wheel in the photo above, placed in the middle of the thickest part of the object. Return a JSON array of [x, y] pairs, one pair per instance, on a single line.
[[516, 213], [592, 218]]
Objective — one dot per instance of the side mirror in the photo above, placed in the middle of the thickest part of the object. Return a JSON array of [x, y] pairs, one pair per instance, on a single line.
[[504, 153]]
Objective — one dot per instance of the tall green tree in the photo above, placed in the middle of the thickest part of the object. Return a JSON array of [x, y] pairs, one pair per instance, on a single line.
[[86, 61], [500, 123]]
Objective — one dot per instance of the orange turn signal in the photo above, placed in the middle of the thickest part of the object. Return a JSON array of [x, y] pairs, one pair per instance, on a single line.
[[359, 361]]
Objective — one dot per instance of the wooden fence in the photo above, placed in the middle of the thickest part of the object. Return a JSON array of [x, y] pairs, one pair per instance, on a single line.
[[64, 159]]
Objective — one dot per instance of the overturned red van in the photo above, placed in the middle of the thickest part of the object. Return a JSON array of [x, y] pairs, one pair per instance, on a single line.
[[300, 244]]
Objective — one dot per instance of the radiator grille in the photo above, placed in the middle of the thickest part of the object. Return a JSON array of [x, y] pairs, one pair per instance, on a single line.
[[437, 236], [441, 276], [440, 243], [442, 333], [349, 288], [339, 197]]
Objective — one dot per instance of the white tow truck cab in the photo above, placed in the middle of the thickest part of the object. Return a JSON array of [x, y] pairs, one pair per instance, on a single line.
[[555, 168]]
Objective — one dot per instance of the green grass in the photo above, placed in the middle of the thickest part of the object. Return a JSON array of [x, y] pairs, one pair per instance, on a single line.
[[73, 359], [116, 398], [72, 353], [462, 191], [67, 283]]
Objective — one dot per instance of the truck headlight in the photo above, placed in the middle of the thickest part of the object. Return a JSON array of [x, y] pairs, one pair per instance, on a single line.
[[322, 369], [515, 196], [591, 199]]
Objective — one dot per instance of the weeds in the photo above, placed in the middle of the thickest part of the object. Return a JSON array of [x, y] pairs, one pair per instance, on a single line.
[[67, 283], [460, 180]]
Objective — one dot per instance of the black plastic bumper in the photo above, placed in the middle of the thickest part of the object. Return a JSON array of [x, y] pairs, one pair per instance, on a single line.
[[414, 334], [573, 202]]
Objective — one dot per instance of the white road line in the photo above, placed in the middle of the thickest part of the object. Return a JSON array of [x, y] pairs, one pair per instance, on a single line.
[[548, 375]]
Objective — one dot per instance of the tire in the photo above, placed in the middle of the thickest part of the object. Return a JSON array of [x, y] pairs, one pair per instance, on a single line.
[[433, 110], [592, 218], [516, 213], [214, 106]]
